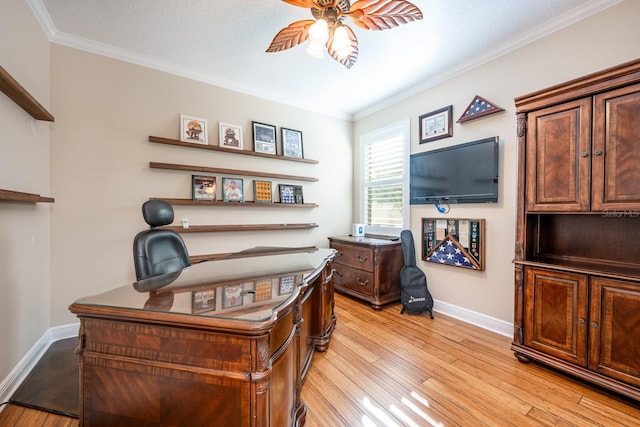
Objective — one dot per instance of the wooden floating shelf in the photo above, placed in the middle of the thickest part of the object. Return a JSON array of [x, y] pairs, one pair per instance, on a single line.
[[18, 196], [173, 166], [190, 202], [170, 141], [253, 252], [18, 94], [240, 227]]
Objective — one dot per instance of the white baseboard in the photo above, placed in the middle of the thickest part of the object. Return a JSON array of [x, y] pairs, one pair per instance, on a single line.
[[478, 319], [11, 383]]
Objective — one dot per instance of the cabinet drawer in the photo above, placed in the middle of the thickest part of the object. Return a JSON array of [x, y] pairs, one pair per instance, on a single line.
[[356, 280], [354, 256]]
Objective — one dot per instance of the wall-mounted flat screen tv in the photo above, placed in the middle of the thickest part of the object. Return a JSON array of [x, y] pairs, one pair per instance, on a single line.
[[464, 173]]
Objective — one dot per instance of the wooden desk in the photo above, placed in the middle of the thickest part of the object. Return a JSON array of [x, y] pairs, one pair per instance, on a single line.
[[225, 342]]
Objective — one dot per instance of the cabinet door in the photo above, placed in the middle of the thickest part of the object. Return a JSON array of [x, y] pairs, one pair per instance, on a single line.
[[558, 166], [614, 329], [616, 150], [556, 313]]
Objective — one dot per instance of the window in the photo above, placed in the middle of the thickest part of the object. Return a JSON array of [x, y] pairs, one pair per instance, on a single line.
[[384, 179]]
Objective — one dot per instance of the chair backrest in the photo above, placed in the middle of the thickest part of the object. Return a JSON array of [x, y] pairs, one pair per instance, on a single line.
[[158, 251]]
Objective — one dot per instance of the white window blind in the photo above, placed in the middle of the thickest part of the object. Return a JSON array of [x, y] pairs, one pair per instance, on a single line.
[[383, 163]]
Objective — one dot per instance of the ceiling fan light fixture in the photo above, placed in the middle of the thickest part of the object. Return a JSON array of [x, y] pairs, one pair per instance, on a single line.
[[329, 32], [316, 50], [319, 32], [341, 42]]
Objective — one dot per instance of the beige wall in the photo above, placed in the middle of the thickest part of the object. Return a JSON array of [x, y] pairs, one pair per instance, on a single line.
[[598, 42], [106, 110], [24, 166]]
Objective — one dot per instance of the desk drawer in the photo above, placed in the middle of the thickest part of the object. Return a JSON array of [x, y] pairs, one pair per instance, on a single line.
[[356, 280], [354, 256]]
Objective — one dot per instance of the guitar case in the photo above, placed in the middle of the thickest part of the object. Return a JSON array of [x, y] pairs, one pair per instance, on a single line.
[[414, 293]]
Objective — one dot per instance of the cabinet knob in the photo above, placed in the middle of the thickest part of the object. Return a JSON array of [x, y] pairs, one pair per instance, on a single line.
[[598, 152], [361, 282], [361, 259], [594, 324], [584, 154], [581, 320]]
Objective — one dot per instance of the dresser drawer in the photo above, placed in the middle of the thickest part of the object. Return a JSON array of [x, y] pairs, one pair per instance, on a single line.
[[356, 280], [353, 256]]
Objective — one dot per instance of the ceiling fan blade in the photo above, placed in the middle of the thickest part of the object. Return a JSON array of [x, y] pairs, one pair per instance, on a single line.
[[383, 14], [351, 59], [302, 3], [296, 33]]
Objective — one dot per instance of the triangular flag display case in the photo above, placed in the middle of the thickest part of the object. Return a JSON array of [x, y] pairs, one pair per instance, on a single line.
[[454, 241], [478, 107]]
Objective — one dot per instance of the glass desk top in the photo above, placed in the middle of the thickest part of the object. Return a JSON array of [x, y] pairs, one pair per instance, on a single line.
[[249, 289]]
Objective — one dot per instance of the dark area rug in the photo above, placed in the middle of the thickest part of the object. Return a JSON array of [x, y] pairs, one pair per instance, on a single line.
[[53, 384]]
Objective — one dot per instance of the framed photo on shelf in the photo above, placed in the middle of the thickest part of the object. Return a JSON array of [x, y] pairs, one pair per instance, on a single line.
[[262, 290], [203, 187], [291, 143], [286, 193], [193, 129], [262, 192], [297, 194], [232, 190], [436, 125], [230, 136], [287, 285], [264, 138], [203, 301], [232, 296]]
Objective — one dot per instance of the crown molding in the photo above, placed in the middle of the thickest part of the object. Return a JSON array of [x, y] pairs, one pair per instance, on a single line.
[[561, 21]]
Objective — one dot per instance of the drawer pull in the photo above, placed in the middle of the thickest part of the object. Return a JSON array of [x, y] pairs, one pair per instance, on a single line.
[[361, 259], [361, 282], [338, 253], [338, 273]]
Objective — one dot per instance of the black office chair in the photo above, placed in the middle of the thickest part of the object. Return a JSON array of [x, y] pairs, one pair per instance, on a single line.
[[158, 251]]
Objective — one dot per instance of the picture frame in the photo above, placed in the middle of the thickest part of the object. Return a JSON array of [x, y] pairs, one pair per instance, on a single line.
[[262, 290], [203, 301], [264, 138], [230, 136], [436, 125], [297, 193], [232, 296], [203, 188], [262, 192], [193, 129], [457, 242], [287, 194], [233, 190], [286, 285], [291, 143]]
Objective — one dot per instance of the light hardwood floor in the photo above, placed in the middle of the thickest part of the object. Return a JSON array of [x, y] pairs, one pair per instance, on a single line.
[[387, 369]]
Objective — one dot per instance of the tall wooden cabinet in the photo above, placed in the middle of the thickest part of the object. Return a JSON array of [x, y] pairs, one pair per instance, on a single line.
[[577, 257]]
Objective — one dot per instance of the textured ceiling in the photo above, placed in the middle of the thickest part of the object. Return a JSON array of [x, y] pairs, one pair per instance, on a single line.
[[223, 42]]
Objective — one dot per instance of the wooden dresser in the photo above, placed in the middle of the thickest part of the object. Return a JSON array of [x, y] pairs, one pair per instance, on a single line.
[[577, 260], [219, 343], [368, 268]]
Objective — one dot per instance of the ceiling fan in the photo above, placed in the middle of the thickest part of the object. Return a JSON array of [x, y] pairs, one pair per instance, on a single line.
[[328, 30]]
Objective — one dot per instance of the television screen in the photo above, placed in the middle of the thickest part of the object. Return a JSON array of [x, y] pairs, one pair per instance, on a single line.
[[465, 173]]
